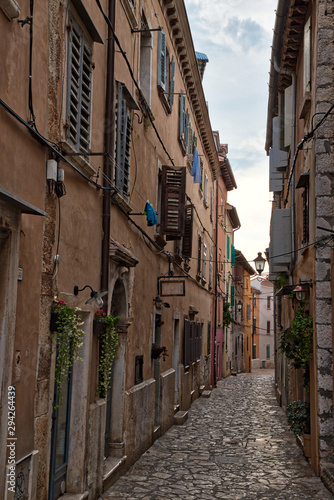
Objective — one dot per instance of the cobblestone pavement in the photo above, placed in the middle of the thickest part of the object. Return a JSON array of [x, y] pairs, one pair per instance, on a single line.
[[235, 445]]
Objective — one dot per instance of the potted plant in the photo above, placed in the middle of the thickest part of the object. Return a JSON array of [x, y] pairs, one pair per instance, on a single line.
[[157, 351], [98, 321], [298, 415], [65, 326], [227, 315], [108, 342], [296, 341]]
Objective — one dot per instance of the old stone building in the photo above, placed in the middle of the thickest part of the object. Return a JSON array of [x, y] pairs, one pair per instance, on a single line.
[[299, 144], [107, 174]]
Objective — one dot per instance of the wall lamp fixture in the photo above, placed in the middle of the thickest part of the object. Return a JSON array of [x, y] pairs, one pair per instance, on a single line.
[[302, 289], [158, 301], [94, 295]]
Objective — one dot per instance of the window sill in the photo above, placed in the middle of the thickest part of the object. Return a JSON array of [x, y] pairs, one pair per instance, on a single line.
[[79, 161], [164, 101], [118, 199]]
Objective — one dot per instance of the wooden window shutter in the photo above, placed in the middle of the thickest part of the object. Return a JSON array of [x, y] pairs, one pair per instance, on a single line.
[[161, 59], [172, 83], [188, 232], [123, 143], [187, 343], [182, 115], [79, 76], [186, 134], [199, 255], [173, 201]]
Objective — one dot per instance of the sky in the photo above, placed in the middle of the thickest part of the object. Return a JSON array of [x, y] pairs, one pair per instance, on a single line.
[[236, 35]]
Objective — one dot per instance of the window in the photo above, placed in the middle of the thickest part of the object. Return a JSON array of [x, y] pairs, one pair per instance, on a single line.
[[123, 138], [173, 183], [268, 326], [210, 271], [268, 351], [254, 325], [166, 73], [228, 247], [209, 339], [79, 82], [139, 369], [201, 183], [248, 311], [254, 300], [269, 302], [232, 295], [233, 256]]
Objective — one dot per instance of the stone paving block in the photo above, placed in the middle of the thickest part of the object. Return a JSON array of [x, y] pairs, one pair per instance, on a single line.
[[206, 394], [180, 417]]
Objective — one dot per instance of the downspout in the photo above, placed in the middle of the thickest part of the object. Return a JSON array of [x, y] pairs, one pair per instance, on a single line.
[[109, 151], [285, 71]]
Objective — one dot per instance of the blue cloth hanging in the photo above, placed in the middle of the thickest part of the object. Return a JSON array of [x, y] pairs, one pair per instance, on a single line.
[[151, 216], [196, 168]]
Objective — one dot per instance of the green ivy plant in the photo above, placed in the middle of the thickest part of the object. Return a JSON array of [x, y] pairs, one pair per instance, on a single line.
[[227, 314], [298, 415], [108, 345], [69, 338], [296, 341]]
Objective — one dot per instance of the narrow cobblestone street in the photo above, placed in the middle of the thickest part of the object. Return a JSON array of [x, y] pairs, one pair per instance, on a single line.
[[235, 444]]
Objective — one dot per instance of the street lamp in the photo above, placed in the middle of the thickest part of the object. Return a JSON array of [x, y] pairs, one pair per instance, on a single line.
[[302, 289], [259, 263]]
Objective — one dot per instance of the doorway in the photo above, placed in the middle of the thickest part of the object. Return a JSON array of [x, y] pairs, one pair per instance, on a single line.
[[156, 366], [176, 357]]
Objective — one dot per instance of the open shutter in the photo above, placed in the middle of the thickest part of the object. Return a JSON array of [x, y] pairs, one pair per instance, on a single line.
[[162, 60], [186, 134], [188, 232], [199, 255], [232, 295], [201, 163], [173, 201], [172, 83], [232, 255], [194, 143], [182, 115], [86, 83]]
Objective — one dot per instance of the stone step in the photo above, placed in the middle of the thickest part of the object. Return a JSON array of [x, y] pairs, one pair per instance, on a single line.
[[180, 417], [206, 394]]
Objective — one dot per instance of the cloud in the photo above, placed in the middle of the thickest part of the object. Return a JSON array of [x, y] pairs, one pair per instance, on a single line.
[[247, 33]]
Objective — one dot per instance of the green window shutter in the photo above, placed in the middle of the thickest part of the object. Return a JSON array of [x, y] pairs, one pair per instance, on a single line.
[[79, 83], [268, 351], [172, 83], [161, 60], [182, 115], [228, 247], [190, 149], [232, 295], [186, 133], [232, 255]]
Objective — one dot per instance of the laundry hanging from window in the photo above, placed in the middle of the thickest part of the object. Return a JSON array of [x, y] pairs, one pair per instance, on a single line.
[[196, 169], [151, 216]]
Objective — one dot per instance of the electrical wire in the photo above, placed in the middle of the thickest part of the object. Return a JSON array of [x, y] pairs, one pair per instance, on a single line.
[[106, 18]]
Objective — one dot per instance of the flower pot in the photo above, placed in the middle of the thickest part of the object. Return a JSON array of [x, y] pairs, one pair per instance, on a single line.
[[98, 327], [307, 445], [53, 321]]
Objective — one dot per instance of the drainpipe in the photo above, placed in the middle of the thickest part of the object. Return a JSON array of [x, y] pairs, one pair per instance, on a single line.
[[216, 295], [109, 151], [285, 71]]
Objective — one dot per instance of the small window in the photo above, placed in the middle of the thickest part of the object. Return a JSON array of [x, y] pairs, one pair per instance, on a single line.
[[268, 326], [228, 247], [254, 325], [204, 261], [206, 181], [268, 302], [139, 369], [248, 311], [268, 351], [199, 255], [254, 300], [201, 183]]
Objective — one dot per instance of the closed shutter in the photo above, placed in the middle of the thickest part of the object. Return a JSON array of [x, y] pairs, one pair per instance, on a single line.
[[228, 247], [188, 232], [232, 295], [204, 261], [187, 348], [233, 256], [172, 83], [186, 134], [248, 311], [197, 341], [191, 135], [162, 60], [78, 89], [173, 202]]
